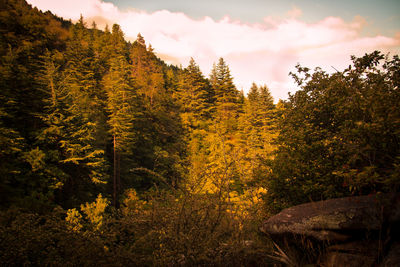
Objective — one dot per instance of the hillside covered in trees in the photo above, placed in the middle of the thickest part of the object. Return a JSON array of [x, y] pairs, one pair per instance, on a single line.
[[110, 156]]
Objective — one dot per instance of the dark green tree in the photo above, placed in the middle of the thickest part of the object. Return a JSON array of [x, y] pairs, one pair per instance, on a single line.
[[121, 103], [72, 161], [25, 35], [159, 129]]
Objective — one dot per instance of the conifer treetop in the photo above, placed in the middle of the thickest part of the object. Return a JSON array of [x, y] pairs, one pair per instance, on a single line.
[[140, 39]]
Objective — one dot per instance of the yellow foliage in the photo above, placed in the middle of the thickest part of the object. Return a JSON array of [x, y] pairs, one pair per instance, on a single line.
[[132, 203], [94, 211], [74, 218], [241, 204]]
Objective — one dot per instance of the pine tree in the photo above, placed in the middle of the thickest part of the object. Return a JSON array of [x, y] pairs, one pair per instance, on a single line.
[[73, 162], [159, 127], [258, 126], [226, 95], [219, 146], [121, 103], [193, 95], [147, 73], [71, 116], [140, 40]]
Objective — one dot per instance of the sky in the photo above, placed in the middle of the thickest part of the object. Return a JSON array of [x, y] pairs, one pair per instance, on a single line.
[[261, 40]]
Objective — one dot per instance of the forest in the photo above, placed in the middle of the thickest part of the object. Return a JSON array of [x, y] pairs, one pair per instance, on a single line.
[[111, 157]]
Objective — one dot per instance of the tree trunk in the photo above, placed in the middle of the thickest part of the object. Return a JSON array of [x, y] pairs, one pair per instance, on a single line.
[[118, 173], [115, 174]]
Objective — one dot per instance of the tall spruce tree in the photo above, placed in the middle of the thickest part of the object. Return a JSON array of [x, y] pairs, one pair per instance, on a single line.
[[226, 95], [159, 127], [73, 164], [25, 35], [72, 111], [193, 95], [258, 126], [121, 102]]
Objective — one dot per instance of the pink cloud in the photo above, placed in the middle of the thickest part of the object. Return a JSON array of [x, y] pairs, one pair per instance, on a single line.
[[263, 52], [72, 9]]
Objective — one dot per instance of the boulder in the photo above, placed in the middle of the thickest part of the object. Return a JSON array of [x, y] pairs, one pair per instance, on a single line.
[[351, 231], [329, 220]]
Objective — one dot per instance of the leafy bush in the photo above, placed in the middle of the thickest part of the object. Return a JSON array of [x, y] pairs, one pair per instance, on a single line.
[[161, 228], [42, 240]]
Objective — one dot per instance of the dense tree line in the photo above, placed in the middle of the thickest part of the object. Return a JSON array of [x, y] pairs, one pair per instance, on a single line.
[[106, 148], [102, 140], [85, 112]]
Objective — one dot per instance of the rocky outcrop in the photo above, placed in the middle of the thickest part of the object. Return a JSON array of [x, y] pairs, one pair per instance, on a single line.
[[352, 231]]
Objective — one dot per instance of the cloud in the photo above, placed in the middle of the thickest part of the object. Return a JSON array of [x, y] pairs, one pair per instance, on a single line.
[[295, 12], [263, 52], [72, 9]]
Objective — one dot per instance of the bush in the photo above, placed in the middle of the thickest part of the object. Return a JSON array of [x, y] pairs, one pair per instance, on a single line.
[[42, 240], [162, 228]]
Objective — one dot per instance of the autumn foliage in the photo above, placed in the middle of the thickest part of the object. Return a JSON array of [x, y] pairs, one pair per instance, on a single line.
[[110, 156]]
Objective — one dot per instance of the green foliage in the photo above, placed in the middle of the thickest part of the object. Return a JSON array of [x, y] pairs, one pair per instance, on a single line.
[[31, 239], [73, 157], [79, 106], [120, 102], [180, 228], [258, 129], [35, 158], [26, 34], [158, 126], [190, 157], [339, 134], [166, 229], [11, 147]]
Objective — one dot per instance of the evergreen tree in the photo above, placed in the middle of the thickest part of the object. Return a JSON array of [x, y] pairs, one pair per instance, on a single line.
[[121, 101], [73, 163], [218, 162], [258, 126], [26, 34], [193, 95], [226, 95], [147, 73], [158, 128]]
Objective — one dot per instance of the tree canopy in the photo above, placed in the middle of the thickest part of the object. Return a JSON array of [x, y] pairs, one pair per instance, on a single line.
[[339, 134], [110, 156]]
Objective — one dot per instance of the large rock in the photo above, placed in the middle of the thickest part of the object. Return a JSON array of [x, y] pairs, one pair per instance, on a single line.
[[352, 231], [329, 220]]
